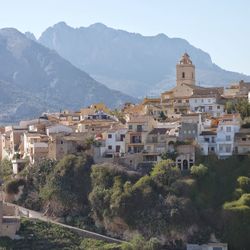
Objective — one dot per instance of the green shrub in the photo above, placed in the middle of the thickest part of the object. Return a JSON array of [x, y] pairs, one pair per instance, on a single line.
[[199, 171], [244, 183]]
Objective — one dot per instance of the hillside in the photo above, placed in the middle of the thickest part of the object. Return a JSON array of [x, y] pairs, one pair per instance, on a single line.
[[165, 206], [40, 235], [34, 79], [132, 63]]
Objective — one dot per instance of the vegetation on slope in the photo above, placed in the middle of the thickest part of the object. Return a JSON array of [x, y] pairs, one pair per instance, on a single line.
[[164, 206], [41, 235]]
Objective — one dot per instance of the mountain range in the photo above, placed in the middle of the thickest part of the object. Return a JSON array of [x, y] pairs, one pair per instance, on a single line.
[[35, 79], [49, 73], [132, 63]]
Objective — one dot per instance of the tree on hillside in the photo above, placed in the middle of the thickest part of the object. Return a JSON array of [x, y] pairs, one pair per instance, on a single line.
[[68, 185]]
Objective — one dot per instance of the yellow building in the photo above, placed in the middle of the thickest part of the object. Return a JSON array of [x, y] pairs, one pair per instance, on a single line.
[[138, 128]]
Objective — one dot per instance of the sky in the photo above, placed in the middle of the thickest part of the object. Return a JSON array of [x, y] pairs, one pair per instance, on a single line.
[[219, 27]]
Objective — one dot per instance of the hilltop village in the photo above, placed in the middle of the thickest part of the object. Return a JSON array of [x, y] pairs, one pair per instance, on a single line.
[[184, 123], [182, 120]]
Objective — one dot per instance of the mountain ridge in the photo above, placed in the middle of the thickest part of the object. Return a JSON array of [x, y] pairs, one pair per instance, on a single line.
[[130, 62], [35, 79]]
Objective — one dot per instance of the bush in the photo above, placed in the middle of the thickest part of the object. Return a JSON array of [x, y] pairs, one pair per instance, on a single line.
[[12, 187], [199, 171], [6, 169], [244, 183], [92, 244]]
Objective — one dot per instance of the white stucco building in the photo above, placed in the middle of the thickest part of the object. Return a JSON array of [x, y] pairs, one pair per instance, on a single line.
[[114, 142], [225, 136], [208, 101]]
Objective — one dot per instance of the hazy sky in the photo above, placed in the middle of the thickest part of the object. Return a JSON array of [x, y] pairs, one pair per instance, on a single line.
[[219, 27]]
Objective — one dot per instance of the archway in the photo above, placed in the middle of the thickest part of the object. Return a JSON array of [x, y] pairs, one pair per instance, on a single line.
[[185, 165]]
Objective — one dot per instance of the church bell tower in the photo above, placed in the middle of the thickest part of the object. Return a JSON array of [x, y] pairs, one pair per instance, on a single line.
[[185, 71]]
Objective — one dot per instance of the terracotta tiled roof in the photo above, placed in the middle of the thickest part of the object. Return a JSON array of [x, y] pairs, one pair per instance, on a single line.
[[207, 92]]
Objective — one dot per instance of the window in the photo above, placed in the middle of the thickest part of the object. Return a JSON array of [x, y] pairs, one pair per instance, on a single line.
[[228, 129], [179, 101], [187, 101], [202, 100], [210, 108], [213, 141], [195, 100], [228, 148], [206, 139], [192, 75], [209, 100], [243, 139], [183, 74], [218, 107], [217, 248], [110, 147], [139, 128], [109, 136], [154, 139], [61, 142], [228, 138], [220, 148], [130, 127]]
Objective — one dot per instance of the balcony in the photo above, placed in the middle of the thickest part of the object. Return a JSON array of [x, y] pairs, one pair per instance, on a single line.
[[135, 140], [182, 104]]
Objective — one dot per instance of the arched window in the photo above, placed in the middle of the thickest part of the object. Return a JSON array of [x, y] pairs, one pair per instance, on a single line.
[[185, 164], [183, 74]]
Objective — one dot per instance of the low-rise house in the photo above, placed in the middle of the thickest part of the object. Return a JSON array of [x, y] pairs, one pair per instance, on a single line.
[[94, 127], [69, 118], [191, 125], [138, 128], [60, 144], [114, 142], [58, 128], [9, 220], [34, 122], [167, 103], [152, 106], [159, 141], [237, 90], [219, 138], [207, 100], [188, 132], [227, 127], [242, 142], [207, 142], [185, 156], [208, 246], [35, 146], [100, 115]]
